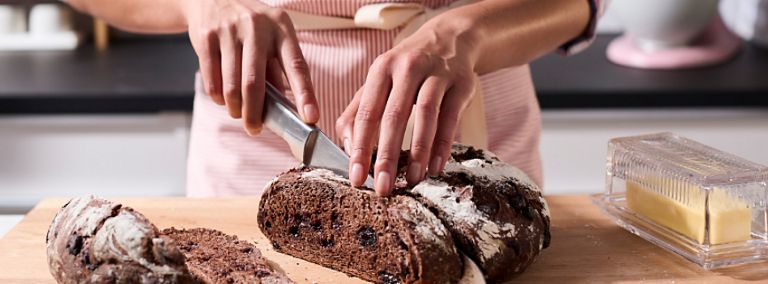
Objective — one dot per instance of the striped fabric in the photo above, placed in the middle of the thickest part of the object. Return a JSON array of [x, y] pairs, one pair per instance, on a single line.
[[225, 161], [341, 8]]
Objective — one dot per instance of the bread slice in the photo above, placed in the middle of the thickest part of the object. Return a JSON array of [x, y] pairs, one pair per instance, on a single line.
[[215, 257], [93, 240], [316, 215]]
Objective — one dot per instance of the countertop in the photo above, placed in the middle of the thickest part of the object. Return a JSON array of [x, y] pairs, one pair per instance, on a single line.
[[589, 80], [139, 76], [586, 245], [145, 76]]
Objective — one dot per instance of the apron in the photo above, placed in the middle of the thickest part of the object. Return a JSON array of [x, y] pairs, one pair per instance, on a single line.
[[340, 39]]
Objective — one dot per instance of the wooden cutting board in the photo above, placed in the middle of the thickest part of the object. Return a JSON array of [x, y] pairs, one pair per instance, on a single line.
[[586, 245]]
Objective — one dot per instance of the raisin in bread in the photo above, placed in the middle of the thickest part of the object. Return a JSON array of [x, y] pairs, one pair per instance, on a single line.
[[93, 240], [493, 213]]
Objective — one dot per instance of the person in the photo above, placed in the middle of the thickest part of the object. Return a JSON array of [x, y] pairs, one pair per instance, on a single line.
[[362, 78]]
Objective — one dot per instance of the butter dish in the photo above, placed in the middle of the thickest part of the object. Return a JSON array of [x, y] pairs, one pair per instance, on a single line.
[[696, 201]]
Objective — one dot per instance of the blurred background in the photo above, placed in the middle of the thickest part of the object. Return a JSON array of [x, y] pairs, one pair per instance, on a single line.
[[88, 109]]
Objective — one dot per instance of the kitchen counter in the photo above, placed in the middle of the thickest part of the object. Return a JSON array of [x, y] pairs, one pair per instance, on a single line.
[[586, 245], [589, 80], [146, 76], [138, 76]]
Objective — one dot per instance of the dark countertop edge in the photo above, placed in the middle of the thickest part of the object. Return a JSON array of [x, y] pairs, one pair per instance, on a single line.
[[553, 94], [641, 99], [182, 102], [96, 104]]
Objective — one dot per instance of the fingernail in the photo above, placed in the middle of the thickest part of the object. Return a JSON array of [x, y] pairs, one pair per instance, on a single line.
[[218, 100], [383, 183], [414, 173], [236, 114], [311, 113], [253, 131], [347, 146], [357, 176], [434, 166]]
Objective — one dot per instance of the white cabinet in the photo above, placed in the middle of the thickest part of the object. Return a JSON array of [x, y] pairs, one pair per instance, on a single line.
[[574, 143], [7, 222], [145, 155], [108, 155]]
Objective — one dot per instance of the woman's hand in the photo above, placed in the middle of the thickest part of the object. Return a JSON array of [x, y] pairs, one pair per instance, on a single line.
[[241, 44], [434, 70]]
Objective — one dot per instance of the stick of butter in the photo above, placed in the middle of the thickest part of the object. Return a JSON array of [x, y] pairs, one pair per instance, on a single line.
[[729, 219]]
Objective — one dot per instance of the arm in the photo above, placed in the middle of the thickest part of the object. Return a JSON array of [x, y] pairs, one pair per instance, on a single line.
[[240, 44], [437, 68], [141, 16], [514, 32]]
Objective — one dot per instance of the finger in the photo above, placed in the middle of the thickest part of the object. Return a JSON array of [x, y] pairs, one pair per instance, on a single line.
[[209, 57], [393, 124], [454, 102], [231, 53], [367, 118], [297, 72], [254, 66], [426, 115], [346, 122], [275, 75]]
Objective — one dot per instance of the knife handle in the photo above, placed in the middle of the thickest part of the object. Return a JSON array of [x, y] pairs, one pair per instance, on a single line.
[[280, 117]]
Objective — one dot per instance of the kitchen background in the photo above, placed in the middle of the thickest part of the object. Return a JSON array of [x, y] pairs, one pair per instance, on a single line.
[[111, 117]]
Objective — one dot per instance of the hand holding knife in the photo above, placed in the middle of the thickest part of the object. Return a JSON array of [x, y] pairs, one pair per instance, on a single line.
[[307, 142]]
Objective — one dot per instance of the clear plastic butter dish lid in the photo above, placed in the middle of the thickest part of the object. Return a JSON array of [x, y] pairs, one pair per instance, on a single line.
[[696, 201]]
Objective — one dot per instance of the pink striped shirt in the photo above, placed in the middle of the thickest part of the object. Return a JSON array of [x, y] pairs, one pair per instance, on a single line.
[[224, 161]]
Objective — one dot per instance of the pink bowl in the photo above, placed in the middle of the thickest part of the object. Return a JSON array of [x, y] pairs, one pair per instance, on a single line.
[[714, 46]]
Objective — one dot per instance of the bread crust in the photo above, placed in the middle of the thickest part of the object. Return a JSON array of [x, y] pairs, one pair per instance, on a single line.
[[496, 214], [93, 240]]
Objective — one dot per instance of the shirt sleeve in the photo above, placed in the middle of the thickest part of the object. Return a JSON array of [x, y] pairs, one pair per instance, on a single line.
[[581, 42]]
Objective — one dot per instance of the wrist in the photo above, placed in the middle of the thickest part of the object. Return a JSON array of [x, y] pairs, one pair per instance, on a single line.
[[456, 35], [184, 9]]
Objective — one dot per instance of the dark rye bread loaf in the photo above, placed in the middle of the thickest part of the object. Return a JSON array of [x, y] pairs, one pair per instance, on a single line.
[[494, 214], [315, 215], [93, 240], [97, 241]]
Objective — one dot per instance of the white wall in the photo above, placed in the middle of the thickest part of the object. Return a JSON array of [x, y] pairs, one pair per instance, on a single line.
[[574, 143]]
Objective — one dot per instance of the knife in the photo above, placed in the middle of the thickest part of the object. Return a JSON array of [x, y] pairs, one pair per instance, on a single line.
[[307, 142]]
